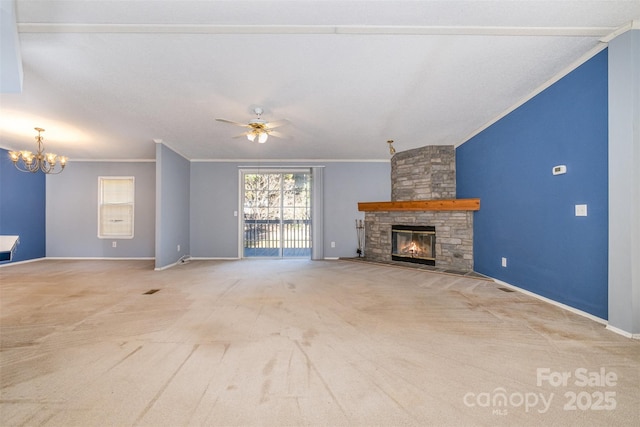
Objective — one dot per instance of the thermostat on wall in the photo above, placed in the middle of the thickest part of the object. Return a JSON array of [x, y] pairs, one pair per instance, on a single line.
[[559, 170]]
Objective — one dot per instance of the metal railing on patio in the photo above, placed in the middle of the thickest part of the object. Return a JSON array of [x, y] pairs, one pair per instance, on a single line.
[[264, 237]]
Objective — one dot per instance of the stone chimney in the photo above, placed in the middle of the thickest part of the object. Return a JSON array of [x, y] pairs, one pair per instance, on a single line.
[[425, 173]]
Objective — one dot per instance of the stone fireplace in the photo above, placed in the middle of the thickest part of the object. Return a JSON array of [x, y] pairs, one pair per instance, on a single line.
[[423, 197]]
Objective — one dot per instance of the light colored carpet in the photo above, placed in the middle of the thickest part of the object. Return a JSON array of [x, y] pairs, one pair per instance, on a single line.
[[298, 342]]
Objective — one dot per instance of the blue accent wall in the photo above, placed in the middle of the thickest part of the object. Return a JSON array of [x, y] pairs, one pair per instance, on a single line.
[[527, 215], [22, 209]]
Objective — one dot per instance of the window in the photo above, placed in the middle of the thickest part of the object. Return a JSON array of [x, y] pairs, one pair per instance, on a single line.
[[115, 207]]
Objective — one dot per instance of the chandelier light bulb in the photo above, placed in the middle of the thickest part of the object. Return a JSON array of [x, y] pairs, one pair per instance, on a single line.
[[51, 158], [392, 150]]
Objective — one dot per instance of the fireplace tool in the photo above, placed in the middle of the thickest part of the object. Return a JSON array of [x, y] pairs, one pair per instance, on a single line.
[[360, 233]]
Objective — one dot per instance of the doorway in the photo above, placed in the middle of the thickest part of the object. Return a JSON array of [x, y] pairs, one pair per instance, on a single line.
[[276, 220]]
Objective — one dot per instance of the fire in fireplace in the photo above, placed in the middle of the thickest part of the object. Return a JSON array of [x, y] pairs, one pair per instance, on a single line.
[[413, 243]]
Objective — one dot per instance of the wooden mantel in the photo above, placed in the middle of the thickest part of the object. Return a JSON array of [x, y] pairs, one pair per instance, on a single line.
[[422, 205]]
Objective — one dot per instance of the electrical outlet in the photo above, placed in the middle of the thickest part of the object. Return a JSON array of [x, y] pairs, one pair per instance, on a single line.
[[333, 244], [504, 262], [114, 244], [178, 248]]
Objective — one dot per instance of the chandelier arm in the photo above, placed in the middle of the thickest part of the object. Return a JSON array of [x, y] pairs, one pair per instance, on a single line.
[[24, 168], [34, 166], [55, 173], [44, 166]]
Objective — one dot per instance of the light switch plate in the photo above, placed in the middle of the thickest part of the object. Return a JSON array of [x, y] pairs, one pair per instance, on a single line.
[[581, 210]]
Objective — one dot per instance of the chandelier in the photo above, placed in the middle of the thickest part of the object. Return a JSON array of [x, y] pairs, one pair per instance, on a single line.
[[26, 161]]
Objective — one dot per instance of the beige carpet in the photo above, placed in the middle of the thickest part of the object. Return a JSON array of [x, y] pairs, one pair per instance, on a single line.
[[296, 342]]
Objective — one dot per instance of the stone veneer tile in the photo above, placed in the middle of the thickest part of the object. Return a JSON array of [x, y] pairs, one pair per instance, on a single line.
[[454, 235], [424, 173]]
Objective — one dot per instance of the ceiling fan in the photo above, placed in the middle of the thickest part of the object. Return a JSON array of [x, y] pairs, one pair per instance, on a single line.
[[258, 128]]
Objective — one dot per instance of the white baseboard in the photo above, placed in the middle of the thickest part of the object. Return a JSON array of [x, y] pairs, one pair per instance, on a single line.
[[571, 309], [331, 258], [21, 262], [182, 260], [550, 301], [195, 258], [100, 258], [57, 258], [623, 333]]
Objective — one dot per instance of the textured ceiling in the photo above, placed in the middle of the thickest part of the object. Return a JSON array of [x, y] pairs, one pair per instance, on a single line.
[[107, 78]]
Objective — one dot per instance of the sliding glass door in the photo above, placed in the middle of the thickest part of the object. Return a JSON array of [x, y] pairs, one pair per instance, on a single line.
[[276, 214]]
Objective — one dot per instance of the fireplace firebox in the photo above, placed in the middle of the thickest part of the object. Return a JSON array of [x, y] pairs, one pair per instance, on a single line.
[[413, 243]]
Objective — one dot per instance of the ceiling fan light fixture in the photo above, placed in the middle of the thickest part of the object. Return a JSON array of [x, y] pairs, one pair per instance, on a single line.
[[258, 128]]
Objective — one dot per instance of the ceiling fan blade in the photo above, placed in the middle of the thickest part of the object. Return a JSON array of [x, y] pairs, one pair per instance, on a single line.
[[244, 125], [277, 123], [244, 134], [277, 134]]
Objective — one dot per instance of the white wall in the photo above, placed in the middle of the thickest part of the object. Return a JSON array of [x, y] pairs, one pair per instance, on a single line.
[[72, 211], [215, 197], [624, 182], [209, 204], [172, 206]]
